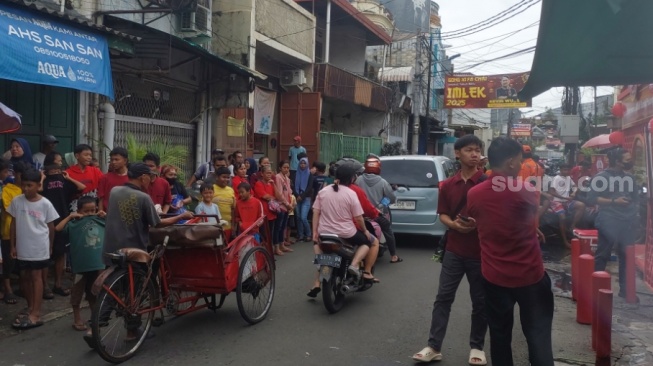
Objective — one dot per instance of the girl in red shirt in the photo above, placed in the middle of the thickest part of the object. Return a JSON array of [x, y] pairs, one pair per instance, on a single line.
[[240, 176], [264, 190]]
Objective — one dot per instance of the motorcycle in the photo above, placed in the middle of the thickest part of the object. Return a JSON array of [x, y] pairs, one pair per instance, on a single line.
[[333, 275]]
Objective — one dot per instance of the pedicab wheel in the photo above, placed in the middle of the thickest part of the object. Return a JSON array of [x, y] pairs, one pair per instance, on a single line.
[[332, 296], [255, 289], [118, 329]]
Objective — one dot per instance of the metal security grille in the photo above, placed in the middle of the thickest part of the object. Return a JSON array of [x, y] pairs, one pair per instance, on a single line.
[[336, 145], [147, 131], [150, 99]]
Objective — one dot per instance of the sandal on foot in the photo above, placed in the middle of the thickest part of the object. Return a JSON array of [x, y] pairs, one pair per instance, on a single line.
[[399, 260], [90, 341], [370, 279], [428, 354], [61, 291], [48, 294], [10, 299], [314, 291], [26, 323], [80, 327], [478, 355], [356, 272]]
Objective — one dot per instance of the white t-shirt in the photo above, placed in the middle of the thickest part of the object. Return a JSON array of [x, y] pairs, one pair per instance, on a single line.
[[563, 186], [32, 234], [206, 209], [337, 211]]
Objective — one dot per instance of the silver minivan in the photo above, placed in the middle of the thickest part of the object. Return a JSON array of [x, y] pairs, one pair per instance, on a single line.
[[417, 178]]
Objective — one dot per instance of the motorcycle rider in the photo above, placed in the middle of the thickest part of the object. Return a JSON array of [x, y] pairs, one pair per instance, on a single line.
[[337, 211], [377, 189]]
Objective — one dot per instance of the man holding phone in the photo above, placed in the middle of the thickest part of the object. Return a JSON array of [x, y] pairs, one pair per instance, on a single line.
[[505, 210], [462, 256], [618, 211]]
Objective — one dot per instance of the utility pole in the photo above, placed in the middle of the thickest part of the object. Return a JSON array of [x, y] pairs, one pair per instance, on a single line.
[[429, 75], [417, 93]]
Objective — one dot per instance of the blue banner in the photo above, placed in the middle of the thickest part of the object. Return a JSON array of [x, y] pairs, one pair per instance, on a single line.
[[41, 50]]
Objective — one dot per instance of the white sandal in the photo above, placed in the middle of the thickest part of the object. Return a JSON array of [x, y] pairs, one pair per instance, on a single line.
[[477, 353], [428, 354]]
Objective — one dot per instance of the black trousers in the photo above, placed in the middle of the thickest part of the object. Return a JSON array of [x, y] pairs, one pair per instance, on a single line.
[[536, 315], [454, 267]]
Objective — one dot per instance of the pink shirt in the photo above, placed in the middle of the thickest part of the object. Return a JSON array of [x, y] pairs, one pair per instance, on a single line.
[[337, 211]]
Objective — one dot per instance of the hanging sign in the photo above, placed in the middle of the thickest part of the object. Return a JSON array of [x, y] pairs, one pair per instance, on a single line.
[[41, 50], [491, 91]]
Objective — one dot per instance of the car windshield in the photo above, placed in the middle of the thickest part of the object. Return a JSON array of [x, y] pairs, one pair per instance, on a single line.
[[410, 173]]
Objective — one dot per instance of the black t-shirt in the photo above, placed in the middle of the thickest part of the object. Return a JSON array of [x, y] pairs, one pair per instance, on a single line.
[[60, 192]]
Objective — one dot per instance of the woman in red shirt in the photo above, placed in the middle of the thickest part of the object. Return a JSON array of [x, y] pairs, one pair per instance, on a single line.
[[240, 176], [264, 190]]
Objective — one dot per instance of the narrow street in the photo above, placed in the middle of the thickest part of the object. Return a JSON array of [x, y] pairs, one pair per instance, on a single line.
[[383, 326]]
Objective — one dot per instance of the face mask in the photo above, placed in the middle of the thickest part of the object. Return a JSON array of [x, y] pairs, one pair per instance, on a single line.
[[628, 166], [171, 180]]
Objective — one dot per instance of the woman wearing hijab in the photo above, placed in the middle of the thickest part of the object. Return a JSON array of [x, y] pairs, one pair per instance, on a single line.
[[252, 171], [303, 191], [20, 152]]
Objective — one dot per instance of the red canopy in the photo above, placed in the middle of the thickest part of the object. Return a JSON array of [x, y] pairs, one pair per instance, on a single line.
[[9, 120]]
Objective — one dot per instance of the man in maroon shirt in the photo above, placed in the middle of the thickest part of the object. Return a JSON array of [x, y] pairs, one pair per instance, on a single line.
[[504, 210], [117, 175], [159, 189], [462, 256]]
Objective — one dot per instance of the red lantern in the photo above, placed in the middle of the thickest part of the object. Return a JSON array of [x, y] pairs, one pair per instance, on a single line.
[[617, 138], [619, 110]]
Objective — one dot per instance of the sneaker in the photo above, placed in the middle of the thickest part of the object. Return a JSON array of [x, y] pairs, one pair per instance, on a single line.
[[354, 271]]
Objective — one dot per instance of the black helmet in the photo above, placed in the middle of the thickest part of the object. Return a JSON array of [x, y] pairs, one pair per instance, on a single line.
[[355, 164]]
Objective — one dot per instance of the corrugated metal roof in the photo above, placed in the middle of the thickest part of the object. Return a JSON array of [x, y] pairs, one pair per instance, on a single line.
[[396, 74], [51, 8]]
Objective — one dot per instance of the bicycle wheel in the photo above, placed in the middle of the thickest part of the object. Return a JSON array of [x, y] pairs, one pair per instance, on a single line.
[[120, 323], [255, 289]]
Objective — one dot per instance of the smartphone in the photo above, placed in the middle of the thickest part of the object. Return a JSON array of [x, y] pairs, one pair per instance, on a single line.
[[464, 218]]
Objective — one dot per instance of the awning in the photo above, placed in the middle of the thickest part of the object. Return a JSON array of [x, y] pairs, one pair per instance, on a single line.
[[39, 49], [591, 43], [396, 74], [147, 33]]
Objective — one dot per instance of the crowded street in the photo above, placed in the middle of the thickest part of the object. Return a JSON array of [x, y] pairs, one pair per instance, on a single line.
[[382, 326]]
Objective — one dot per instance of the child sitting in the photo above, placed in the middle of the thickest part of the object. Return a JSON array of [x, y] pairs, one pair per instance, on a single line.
[[248, 210], [86, 232], [32, 234], [207, 207]]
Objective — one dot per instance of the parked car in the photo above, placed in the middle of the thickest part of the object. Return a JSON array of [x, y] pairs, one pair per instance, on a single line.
[[417, 178]]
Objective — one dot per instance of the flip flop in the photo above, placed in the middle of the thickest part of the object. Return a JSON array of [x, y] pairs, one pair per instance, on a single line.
[[428, 354], [314, 291], [10, 299], [80, 327], [477, 354], [399, 260], [61, 291], [26, 323], [48, 294], [373, 279]]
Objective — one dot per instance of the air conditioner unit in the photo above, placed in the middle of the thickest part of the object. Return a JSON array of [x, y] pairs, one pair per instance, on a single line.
[[293, 77], [198, 21]]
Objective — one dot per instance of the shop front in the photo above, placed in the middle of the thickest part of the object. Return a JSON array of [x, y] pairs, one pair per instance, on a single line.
[[47, 62]]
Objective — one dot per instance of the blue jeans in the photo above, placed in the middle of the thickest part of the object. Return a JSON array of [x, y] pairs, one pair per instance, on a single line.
[[280, 228], [301, 215]]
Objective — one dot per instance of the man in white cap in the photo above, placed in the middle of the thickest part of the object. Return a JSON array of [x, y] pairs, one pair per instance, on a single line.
[[48, 145]]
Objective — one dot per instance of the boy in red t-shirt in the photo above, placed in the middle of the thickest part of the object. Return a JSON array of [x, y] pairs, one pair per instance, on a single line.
[[117, 175], [248, 209], [85, 173]]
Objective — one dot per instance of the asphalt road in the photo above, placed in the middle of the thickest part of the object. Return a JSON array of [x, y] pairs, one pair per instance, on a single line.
[[383, 326]]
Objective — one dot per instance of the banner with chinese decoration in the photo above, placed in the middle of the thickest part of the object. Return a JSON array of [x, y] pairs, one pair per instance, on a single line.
[[491, 91]]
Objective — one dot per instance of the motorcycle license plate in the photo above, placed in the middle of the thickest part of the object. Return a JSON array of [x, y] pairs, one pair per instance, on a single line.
[[331, 260]]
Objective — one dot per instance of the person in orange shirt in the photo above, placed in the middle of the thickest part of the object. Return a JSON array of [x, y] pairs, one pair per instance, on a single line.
[[529, 168]]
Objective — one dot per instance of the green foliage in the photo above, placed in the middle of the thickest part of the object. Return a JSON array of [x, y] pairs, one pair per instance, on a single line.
[[588, 152], [169, 153], [394, 148]]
